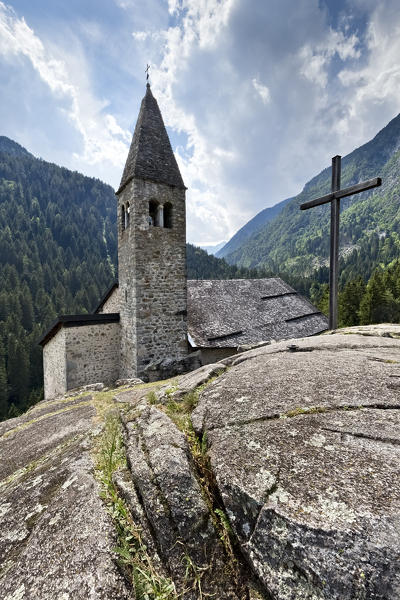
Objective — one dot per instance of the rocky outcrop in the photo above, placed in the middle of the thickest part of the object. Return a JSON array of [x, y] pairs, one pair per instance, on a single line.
[[273, 474]]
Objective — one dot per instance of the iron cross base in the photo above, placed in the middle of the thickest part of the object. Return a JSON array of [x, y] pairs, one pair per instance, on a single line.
[[334, 198]]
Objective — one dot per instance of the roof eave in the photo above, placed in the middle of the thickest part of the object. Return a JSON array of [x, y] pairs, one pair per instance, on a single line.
[[126, 183], [77, 321]]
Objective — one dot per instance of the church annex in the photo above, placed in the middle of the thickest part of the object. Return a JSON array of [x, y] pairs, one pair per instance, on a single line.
[[153, 319]]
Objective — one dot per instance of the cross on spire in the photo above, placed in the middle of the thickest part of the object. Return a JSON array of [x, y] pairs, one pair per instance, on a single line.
[[147, 72], [334, 198]]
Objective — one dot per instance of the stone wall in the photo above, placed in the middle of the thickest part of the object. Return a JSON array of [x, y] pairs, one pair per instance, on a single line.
[[93, 353], [152, 278], [112, 303], [54, 366]]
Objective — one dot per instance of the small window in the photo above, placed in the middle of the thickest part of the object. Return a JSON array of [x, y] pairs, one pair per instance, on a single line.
[[127, 215], [168, 215], [153, 213], [123, 221]]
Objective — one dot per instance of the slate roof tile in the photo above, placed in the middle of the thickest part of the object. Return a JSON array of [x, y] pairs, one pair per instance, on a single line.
[[232, 312], [150, 155]]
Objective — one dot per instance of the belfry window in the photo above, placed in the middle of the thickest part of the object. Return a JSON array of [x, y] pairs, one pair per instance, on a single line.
[[127, 215], [168, 215], [123, 221], [160, 215], [153, 213]]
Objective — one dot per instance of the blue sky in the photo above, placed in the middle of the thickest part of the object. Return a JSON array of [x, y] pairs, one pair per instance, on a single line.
[[257, 95]]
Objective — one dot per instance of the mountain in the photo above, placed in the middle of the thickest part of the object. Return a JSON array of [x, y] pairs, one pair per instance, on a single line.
[[201, 265], [213, 248], [58, 253], [11, 148], [251, 227], [297, 242]]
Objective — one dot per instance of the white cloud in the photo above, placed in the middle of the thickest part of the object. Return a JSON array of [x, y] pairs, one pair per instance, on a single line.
[[204, 85], [140, 36], [259, 99], [316, 58], [66, 76], [261, 90]]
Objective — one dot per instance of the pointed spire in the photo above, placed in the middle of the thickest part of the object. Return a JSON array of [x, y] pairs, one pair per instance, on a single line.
[[150, 155]]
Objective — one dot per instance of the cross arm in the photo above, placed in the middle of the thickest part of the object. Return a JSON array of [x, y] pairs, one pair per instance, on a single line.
[[354, 189]]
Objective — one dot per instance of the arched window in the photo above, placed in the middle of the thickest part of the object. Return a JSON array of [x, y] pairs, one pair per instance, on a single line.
[[168, 215], [127, 215], [153, 213], [123, 222]]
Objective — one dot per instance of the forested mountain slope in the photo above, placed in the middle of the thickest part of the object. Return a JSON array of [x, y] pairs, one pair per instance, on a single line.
[[57, 255], [251, 227], [201, 265], [297, 241]]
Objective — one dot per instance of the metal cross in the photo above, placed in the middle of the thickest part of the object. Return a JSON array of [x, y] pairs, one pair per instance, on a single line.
[[147, 72], [334, 199]]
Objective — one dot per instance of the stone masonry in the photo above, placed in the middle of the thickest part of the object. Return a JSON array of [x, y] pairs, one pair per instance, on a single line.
[[146, 325], [80, 355], [92, 354], [152, 279], [151, 249], [54, 366], [111, 305]]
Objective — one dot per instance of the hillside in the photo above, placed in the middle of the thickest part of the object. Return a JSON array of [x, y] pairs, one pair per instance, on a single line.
[[57, 255], [297, 241], [212, 248], [251, 227], [11, 148], [201, 265]]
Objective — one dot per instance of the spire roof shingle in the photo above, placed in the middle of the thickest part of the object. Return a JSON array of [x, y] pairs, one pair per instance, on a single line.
[[150, 155]]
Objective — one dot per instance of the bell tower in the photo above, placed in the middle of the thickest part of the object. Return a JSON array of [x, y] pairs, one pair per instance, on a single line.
[[151, 248]]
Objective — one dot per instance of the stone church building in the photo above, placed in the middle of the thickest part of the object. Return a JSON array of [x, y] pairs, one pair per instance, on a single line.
[[155, 322]]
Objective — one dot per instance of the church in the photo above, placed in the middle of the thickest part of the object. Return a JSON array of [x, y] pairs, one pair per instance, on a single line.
[[154, 323]]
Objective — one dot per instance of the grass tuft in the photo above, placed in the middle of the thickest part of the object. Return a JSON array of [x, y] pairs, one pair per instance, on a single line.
[[131, 550]]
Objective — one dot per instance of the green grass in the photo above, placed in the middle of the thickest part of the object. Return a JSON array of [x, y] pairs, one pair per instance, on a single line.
[[133, 557]]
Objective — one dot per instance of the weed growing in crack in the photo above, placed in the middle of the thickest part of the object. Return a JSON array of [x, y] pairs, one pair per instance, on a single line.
[[171, 390], [204, 443], [132, 553], [180, 413], [194, 574], [152, 397], [225, 531], [305, 411]]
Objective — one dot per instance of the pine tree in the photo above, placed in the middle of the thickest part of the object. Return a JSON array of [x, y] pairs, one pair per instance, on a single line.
[[323, 303], [349, 302], [3, 385], [26, 309], [378, 304], [18, 372]]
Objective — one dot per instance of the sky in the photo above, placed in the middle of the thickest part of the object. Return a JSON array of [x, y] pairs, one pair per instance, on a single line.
[[257, 95]]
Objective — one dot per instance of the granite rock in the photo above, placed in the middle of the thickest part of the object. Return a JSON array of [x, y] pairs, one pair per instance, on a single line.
[[295, 448], [305, 446]]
